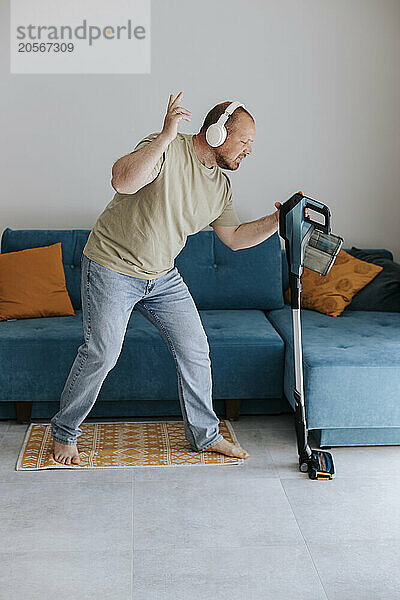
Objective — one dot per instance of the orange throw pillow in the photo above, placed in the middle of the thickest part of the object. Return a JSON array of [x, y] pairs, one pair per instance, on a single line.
[[32, 284], [330, 294]]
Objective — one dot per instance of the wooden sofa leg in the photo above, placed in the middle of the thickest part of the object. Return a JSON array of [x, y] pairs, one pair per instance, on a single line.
[[232, 408], [24, 412]]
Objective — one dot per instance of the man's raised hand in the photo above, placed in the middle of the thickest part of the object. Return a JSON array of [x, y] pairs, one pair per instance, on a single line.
[[173, 116]]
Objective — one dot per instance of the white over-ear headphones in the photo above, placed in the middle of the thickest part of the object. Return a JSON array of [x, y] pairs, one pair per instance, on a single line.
[[216, 133]]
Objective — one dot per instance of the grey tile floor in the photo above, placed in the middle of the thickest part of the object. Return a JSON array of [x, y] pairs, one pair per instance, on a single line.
[[258, 531]]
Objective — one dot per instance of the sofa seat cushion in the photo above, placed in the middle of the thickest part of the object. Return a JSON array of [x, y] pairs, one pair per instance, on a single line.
[[246, 354], [351, 366]]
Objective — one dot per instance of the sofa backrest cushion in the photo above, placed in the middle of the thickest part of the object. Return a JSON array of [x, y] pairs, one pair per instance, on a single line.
[[72, 243], [220, 278], [217, 277], [383, 292]]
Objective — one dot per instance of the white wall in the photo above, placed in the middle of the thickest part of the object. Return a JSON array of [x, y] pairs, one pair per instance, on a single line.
[[321, 78]]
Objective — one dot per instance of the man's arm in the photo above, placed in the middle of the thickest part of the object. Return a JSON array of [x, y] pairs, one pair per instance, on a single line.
[[132, 171], [249, 234]]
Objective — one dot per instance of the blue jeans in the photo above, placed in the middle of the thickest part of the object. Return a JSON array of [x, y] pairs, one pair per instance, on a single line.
[[108, 298]]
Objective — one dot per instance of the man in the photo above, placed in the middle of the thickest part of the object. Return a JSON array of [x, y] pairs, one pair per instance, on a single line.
[[169, 187]]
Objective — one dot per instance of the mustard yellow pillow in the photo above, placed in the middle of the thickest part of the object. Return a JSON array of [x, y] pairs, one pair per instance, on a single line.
[[32, 284], [330, 294]]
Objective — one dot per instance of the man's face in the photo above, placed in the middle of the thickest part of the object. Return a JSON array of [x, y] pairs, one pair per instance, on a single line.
[[237, 144]]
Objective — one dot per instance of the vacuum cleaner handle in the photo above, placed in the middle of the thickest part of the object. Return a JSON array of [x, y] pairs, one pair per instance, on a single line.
[[286, 208], [320, 208]]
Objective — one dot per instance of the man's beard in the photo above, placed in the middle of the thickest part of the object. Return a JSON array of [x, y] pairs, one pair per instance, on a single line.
[[221, 162]]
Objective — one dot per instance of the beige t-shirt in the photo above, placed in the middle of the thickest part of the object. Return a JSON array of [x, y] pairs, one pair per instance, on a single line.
[[141, 234]]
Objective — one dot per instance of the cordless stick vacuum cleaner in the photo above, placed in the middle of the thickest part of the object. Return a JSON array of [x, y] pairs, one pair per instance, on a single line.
[[308, 243]]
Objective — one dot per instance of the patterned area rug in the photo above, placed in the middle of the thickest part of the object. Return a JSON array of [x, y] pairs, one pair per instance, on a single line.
[[109, 445]]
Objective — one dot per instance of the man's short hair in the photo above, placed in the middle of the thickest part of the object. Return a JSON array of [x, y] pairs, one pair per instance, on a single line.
[[215, 113]]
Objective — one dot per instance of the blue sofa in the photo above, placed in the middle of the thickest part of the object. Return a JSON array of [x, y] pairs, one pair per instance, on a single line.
[[351, 362]]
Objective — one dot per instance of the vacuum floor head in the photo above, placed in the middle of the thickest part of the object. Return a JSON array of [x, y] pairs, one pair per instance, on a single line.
[[321, 465]]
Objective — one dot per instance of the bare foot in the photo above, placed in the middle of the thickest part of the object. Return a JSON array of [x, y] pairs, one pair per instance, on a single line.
[[225, 447], [66, 454]]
